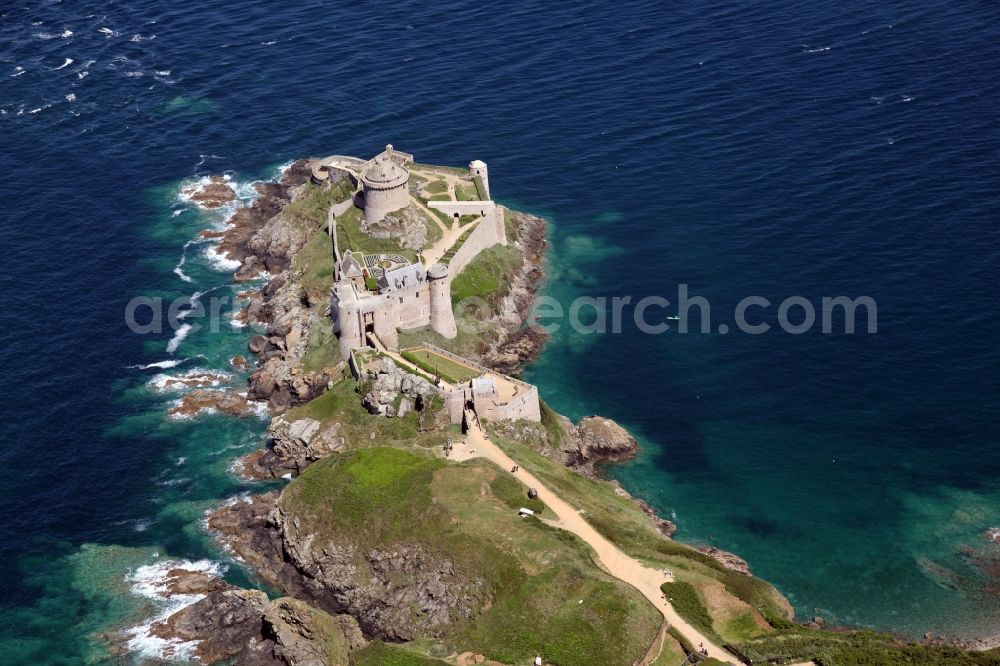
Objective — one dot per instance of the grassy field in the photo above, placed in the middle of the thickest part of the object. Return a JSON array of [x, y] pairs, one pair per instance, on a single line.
[[488, 276], [312, 206], [466, 343], [542, 594], [436, 187], [437, 365], [466, 192], [427, 170], [381, 654], [322, 349], [315, 260]]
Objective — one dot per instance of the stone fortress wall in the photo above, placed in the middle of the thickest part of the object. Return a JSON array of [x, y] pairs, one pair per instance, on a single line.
[[487, 233]]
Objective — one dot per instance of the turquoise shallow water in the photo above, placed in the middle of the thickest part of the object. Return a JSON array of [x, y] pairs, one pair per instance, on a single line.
[[771, 150]]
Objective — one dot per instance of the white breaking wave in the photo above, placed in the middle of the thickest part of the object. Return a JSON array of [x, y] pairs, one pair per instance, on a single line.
[[141, 38], [18, 71], [195, 377], [260, 409], [163, 72], [178, 338], [48, 35], [821, 49], [108, 32], [178, 269], [219, 261], [151, 582], [66, 63], [71, 97], [163, 365]]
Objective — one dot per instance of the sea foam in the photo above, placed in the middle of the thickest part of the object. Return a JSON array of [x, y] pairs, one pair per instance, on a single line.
[[178, 338], [151, 582], [170, 363], [219, 261]]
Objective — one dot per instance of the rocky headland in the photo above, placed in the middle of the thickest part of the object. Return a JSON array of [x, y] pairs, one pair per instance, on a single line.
[[376, 543]]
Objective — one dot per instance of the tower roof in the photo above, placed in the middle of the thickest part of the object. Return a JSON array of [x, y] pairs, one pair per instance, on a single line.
[[384, 170]]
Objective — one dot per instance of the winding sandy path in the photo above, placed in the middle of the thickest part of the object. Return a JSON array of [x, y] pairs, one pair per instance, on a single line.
[[610, 557]]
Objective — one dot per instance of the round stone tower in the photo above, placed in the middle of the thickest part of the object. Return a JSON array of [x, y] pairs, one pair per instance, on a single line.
[[478, 168], [442, 317], [385, 184], [347, 320]]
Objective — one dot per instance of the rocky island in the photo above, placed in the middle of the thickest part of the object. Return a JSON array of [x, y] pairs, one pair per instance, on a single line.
[[437, 510]]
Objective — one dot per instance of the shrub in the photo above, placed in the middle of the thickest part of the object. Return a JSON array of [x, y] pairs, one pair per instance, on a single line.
[[688, 604]]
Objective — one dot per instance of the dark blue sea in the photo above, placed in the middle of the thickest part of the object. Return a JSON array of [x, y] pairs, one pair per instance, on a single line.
[[771, 149]]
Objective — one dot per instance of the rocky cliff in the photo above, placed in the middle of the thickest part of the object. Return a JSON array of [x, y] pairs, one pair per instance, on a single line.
[[397, 592]]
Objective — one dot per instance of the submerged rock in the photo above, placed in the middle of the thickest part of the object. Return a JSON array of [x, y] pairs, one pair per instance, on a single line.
[[204, 400], [213, 194]]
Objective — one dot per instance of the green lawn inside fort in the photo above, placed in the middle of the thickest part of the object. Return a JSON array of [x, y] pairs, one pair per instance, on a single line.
[[441, 366]]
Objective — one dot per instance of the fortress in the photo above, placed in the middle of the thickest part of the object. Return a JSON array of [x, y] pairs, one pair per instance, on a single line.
[[375, 294]]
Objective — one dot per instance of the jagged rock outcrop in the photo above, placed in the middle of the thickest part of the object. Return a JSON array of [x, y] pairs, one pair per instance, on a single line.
[[249, 239], [279, 378], [244, 626], [395, 591], [599, 440], [394, 392], [292, 447], [727, 559], [408, 226], [522, 346]]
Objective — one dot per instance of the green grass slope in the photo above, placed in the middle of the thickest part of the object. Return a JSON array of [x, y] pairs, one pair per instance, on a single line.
[[542, 592]]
